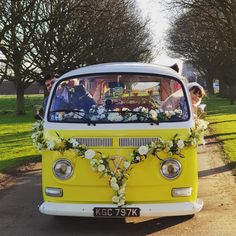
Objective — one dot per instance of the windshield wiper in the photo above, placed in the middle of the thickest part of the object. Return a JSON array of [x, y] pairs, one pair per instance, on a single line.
[[77, 112]]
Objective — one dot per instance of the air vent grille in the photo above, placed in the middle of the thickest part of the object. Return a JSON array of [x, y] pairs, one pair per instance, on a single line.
[[135, 142], [96, 142]]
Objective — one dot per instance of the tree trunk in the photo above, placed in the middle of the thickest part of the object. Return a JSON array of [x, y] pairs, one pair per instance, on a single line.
[[223, 89], [209, 84], [20, 100], [231, 95]]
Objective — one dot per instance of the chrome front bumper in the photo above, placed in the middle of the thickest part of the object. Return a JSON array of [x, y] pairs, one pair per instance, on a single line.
[[146, 210]]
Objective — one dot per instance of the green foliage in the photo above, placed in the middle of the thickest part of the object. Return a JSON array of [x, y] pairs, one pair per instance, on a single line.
[[222, 118], [15, 132]]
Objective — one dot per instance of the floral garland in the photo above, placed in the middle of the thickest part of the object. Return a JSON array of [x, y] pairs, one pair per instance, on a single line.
[[99, 162], [100, 113]]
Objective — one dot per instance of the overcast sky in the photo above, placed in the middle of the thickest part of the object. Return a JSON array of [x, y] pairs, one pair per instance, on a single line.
[[159, 26]]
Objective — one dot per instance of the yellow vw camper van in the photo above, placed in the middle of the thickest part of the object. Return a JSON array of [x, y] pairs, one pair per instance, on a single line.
[[111, 149]]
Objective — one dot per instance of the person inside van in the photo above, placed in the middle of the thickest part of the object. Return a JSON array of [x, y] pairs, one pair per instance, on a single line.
[[61, 98], [49, 80], [177, 100], [82, 99]]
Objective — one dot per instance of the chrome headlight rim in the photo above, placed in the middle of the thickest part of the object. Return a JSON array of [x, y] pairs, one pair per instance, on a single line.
[[176, 162], [68, 163]]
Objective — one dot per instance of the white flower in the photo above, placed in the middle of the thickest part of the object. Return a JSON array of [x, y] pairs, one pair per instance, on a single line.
[[115, 117], [170, 143], [133, 117], [74, 142], [115, 186], [101, 168], [180, 144], [113, 180], [168, 114], [102, 116], [178, 111], [143, 150], [121, 203], [126, 164], [153, 114], [144, 110], [76, 116], [70, 114], [93, 162], [36, 125], [100, 110], [89, 154], [94, 118], [121, 191], [115, 199], [136, 109], [34, 135], [50, 145], [60, 117], [40, 146]]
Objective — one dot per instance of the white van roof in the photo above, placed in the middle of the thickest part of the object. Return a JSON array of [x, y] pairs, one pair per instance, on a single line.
[[123, 67]]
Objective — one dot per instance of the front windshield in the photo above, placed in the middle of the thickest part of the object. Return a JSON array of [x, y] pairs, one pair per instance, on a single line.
[[118, 98]]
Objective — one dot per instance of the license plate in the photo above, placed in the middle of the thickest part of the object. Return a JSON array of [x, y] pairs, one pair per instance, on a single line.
[[115, 212]]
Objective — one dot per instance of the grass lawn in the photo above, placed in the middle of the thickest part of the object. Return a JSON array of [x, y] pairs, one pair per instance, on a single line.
[[222, 118], [15, 132]]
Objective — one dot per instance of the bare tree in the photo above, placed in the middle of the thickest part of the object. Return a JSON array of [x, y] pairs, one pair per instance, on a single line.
[[90, 32], [41, 36], [212, 37], [18, 22]]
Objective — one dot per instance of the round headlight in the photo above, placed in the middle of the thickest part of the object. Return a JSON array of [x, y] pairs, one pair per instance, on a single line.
[[62, 169], [170, 168]]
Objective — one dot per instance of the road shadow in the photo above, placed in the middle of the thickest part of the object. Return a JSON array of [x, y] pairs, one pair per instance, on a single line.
[[108, 226], [227, 167], [224, 121], [218, 135]]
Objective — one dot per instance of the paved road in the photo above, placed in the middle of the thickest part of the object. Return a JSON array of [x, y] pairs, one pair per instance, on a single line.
[[19, 213]]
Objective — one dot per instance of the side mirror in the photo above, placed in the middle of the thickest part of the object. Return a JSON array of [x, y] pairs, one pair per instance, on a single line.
[[39, 112], [37, 116]]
